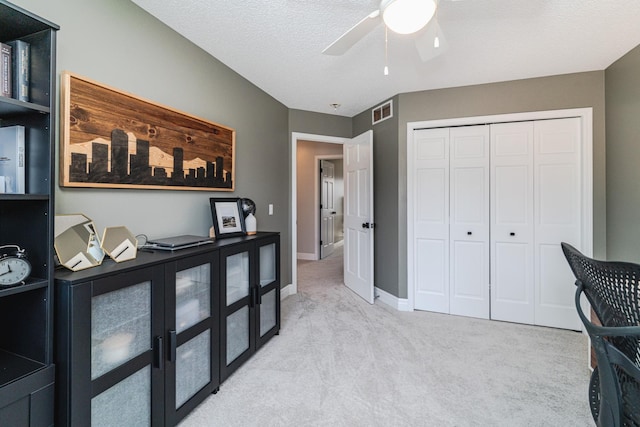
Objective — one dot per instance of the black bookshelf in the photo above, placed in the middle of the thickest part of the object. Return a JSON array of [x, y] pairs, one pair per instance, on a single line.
[[26, 311]]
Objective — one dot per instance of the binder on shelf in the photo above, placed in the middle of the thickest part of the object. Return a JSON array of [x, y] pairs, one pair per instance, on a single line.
[[12, 159], [5, 70], [20, 55]]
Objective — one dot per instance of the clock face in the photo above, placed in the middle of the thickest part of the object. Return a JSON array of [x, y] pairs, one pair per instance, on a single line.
[[13, 270]]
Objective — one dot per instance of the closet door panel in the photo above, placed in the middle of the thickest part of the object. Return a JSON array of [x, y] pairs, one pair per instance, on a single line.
[[512, 222], [469, 224], [431, 220], [557, 212]]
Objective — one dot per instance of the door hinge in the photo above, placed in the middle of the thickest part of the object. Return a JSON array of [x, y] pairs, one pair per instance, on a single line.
[[320, 242]]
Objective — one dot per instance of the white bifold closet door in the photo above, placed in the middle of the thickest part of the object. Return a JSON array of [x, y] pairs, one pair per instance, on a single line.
[[512, 222], [431, 220], [535, 205], [491, 205], [469, 221], [451, 220]]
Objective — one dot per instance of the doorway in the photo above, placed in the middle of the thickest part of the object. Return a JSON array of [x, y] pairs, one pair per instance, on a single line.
[[331, 202], [308, 182], [358, 210]]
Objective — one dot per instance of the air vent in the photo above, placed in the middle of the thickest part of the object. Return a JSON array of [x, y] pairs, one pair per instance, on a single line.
[[382, 112]]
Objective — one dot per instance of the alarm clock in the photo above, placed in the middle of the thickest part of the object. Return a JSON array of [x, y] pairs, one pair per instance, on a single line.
[[14, 266]]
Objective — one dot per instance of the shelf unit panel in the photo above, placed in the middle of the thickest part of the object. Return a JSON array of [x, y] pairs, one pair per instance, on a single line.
[[15, 367]]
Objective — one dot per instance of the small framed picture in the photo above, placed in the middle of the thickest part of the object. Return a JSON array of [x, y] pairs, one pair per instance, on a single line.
[[228, 220]]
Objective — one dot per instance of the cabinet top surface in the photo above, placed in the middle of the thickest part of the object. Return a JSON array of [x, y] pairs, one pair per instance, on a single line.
[[149, 258]]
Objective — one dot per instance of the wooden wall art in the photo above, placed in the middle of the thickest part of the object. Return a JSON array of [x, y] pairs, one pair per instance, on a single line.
[[112, 139]]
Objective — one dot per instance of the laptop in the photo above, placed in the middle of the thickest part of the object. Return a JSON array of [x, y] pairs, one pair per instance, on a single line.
[[178, 242]]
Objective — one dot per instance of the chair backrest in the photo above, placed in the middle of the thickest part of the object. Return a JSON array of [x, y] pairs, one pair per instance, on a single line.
[[613, 290]]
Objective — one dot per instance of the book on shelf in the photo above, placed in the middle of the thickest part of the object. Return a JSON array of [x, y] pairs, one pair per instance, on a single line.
[[12, 159], [5, 70], [20, 55]]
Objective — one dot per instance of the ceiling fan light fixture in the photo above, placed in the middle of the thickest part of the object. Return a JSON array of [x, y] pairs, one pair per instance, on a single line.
[[407, 16]]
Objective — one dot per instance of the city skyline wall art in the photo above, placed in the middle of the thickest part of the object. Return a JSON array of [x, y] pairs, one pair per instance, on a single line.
[[112, 139]]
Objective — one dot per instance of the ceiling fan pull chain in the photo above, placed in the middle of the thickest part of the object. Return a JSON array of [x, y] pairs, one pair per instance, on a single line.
[[386, 52]]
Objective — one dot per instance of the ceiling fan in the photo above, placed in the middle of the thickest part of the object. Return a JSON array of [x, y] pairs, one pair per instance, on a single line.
[[402, 17]]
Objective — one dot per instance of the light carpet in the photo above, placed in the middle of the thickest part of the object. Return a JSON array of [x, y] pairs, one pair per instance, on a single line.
[[339, 361]]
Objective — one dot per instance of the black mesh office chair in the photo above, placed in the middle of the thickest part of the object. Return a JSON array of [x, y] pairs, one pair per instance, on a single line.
[[613, 290]]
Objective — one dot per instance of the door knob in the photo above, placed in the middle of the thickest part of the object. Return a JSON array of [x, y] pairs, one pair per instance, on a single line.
[[365, 225]]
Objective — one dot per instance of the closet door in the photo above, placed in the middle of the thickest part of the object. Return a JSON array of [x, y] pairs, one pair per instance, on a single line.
[[469, 221], [431, 220], [512, 222], [557, 207]]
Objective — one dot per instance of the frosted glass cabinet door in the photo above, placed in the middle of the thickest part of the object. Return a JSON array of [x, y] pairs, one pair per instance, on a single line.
[[127, 403], [268, 313], [193, 296], [268, 301], [267, 264], [237, 333], [120, 327], [237, 279], [193, 367]]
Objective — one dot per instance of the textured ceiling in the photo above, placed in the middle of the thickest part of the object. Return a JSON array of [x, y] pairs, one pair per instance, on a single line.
[[277, 44]]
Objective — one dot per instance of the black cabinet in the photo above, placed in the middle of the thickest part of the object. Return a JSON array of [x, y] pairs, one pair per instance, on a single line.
[[26, 220], [250, 296], [139, 342]]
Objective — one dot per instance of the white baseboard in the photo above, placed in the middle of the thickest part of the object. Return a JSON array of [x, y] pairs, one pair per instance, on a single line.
[[400, 304], [307, 256], [286, 291]]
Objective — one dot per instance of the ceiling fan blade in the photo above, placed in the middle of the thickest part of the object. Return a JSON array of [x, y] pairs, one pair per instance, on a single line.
[[353, 35], [425, 42]]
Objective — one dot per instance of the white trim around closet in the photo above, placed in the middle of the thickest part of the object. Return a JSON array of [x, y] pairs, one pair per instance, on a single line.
[[586, 116]]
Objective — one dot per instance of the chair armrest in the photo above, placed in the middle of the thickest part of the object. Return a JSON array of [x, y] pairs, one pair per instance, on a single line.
[[610, 331]]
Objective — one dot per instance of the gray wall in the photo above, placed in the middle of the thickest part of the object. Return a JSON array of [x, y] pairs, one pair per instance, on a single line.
[[623, 157], [116, 43], [547, 93]]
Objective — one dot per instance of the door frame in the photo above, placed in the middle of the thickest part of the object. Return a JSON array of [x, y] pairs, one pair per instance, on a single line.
[[295, 137], [586, 116], [316, 196]]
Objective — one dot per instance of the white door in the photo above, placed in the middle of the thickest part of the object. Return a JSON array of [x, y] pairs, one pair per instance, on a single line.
[[469, 221], [430, 238], [557, 215], [358, 215], [512, 222], [327, 208]]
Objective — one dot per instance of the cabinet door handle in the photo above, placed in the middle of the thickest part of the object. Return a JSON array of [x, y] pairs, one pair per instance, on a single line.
[[158, 354], [512, 234], [469, 233], [173, 341], [255, 295]]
